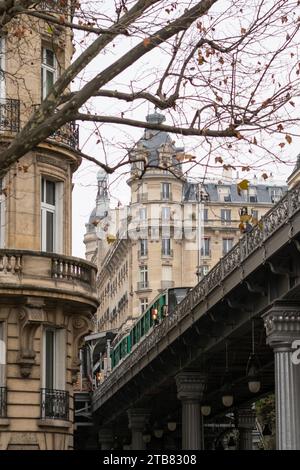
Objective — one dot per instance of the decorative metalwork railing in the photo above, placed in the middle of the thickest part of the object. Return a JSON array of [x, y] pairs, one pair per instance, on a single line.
[[54, 404], [9, 115], [68, 134], [270, 223], [3, 402]]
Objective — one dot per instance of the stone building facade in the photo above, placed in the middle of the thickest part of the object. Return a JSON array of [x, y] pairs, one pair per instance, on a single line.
[[47, 298], [171, 234]]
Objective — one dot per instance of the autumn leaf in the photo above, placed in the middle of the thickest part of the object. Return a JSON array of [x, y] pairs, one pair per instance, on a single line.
[[146, 42], [243, 31], [281, 145], [280, 127], [254, 141], [264, 176], [219, 160], [111, 238], [288, 138], [243, 185], [245, 168]]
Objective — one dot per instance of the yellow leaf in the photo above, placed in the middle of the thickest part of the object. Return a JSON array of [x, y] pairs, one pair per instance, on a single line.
[[243, 185], [111, 238], [245, 218]]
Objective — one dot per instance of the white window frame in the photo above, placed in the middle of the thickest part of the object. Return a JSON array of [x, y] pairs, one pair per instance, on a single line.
[[59, 358], [57, 211], [166, 191], [143, 247], [226, 243], [143, 213], [48, 68], [144, 275], [166, 213], [2, 216], [143, 305], [2, 354], [166, 246]]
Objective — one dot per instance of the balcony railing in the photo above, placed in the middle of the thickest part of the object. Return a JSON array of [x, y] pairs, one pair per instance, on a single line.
[[68, 134], [9, 115], [3, 402], [54, 404], [142, 285], [167, 284], [142, 197], [168, 253]]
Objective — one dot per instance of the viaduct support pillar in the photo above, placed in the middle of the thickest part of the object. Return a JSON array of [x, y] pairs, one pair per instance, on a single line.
[[282, 323], [138, 418], [190, 388]]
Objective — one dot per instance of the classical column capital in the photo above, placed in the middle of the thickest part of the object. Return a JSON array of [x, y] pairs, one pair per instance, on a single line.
[[190, 385], [282, 324], [137, 418]]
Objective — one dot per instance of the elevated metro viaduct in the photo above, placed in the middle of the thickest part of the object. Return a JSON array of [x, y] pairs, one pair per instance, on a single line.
[[182, 361]]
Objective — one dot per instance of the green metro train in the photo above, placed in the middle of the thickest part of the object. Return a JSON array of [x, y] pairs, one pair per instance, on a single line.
[[162, 306]]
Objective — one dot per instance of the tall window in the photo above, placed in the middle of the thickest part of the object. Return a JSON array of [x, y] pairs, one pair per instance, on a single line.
[[276, 194], [205, 215], [2, 215], [2, 355], [51, 217], [2, 68], [143, 247], [165, 213], [252, 195], [143, 213], [166, 246], [227, 245], [49, 70], [225, 216], [54, 359], [144, 276], [143, 305], [205, 250], [166, 191]]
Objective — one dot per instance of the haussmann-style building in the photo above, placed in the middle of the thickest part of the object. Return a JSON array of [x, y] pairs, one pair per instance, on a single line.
[[47, 297]]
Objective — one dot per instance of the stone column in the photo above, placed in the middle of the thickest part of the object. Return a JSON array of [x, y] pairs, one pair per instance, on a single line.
[[282, 323], [138, 418], [190, 388], [246, 424], [106, 438]]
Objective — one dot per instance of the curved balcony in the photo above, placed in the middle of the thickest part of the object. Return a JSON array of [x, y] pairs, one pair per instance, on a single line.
[[48, 275]]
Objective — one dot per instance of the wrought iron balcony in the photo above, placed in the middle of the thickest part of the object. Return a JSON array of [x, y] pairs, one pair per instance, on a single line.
[[9, 115], [54, 404], [68, 134], [3, 402]]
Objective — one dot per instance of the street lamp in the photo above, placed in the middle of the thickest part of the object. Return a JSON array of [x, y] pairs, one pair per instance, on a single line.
[[252, 370], [227, 392]]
